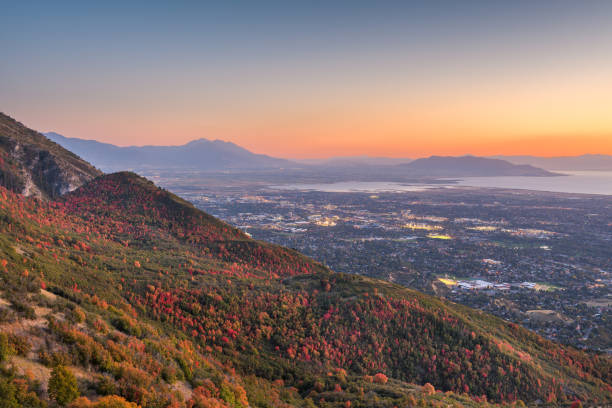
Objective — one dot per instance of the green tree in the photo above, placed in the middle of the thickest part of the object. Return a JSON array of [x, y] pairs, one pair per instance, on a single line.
[[5, 348], [8, 393], [63, 387]]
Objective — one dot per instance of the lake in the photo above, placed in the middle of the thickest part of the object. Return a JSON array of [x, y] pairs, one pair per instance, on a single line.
[[581, 182]]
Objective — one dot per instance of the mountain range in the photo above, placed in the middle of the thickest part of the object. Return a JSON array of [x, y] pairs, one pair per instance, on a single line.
[[121, 294], [355, 161], [201, 154], [211, 156], [470, 166], [586, 162]]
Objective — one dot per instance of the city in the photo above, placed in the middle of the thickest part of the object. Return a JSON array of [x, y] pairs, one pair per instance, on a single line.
[[520, 256]]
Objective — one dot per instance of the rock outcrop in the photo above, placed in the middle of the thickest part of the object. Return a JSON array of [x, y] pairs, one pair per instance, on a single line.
[[33, 165]]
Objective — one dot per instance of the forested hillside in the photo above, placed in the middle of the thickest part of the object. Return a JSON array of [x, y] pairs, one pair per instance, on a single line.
[[144, 298]]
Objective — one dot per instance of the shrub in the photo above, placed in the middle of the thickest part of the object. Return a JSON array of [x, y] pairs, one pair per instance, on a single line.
[[127, 326], [23, 308], [169, 374], [133, 375], [7, 315], [111, 401], [55, 358], [15, 393], [428, 389], [105, 385], [234, 395], [20, 345], [380, 378], [78, 315]]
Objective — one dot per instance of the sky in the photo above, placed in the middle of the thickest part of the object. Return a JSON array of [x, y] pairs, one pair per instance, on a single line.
[[316, 79]]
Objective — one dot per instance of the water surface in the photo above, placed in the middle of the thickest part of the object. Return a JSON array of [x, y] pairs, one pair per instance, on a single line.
[[581, 182]]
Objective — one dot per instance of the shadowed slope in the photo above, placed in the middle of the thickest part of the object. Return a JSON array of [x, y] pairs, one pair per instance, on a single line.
[[31, 164]]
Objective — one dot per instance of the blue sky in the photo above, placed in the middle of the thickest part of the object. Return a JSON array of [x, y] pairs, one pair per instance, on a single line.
[[312, 79]]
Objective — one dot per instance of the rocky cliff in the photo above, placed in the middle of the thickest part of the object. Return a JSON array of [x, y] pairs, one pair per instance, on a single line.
[[32, 165]]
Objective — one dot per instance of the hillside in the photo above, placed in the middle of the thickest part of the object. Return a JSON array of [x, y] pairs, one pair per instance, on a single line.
[[201, 154], [31, 164], [145, 297], [470, 166]]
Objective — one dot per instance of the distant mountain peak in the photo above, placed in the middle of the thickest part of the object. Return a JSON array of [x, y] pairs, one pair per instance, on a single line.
[[201, 140], [469, 165], [200, 154]]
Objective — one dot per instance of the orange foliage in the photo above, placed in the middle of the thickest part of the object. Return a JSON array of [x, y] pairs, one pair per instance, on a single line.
[[110, 401], [380, 378], [428, 389]]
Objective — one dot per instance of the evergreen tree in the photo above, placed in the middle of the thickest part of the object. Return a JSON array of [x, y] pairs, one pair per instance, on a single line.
[[63, 387]]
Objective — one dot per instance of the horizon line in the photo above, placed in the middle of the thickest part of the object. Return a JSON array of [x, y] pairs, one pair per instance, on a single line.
[[498, 155]]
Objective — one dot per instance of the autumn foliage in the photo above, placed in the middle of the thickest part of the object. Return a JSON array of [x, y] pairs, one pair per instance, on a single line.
[[153, 296]]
